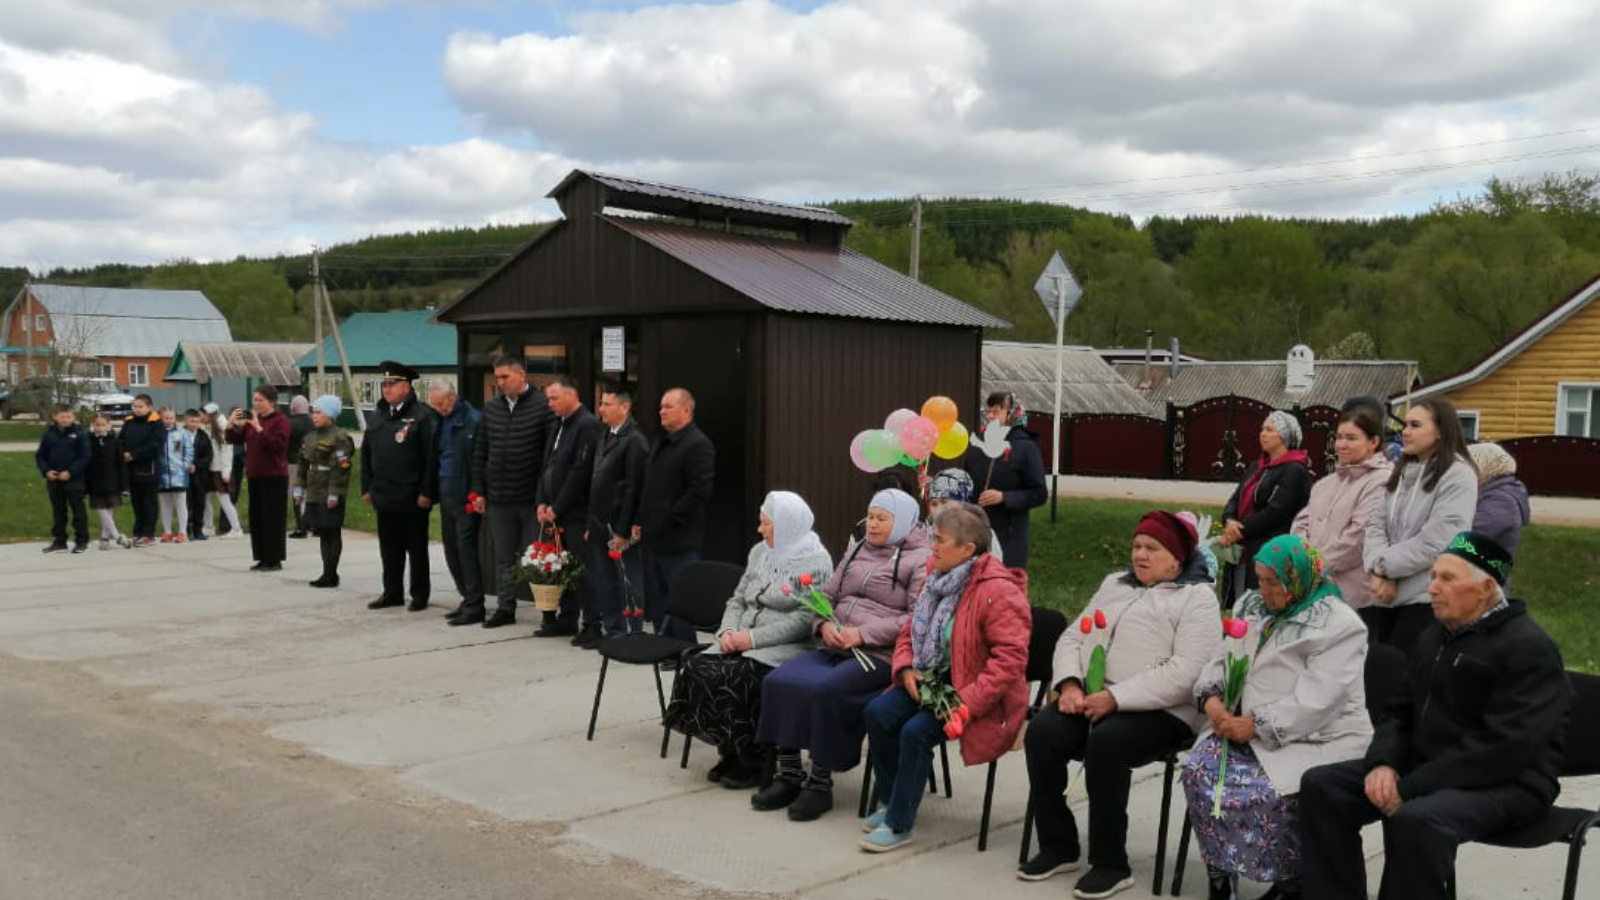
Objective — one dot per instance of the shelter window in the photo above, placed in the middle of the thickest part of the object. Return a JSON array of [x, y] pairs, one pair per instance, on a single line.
[[1578, 410], [544, 361]]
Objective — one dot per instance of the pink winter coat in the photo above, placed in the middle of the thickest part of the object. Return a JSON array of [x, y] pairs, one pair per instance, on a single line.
[[988, 658], [873, 588], [1335, 522]]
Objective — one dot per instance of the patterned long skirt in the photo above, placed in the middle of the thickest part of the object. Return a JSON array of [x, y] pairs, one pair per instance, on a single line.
[[717, 698], [1258, 836]]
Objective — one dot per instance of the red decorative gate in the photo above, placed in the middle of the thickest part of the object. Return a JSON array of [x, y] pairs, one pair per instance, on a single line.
[[1110, 444], [1216, 439]]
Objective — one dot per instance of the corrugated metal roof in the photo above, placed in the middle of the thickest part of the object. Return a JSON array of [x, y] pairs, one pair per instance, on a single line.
[[1088, 383], [128, 322], [202, 361], [798, 277], [706, 199], [1334, 381], [410, 337]]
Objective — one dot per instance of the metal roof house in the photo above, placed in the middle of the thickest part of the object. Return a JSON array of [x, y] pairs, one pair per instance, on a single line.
[[1299, 380], [130, 332], [790, 341], [407, 336], [203, 371]]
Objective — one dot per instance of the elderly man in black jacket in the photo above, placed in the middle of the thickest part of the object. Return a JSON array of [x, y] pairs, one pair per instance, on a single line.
[[564, 504], [1472, 743], [506, 463], [671, 519], [400, 478], [613, 498]]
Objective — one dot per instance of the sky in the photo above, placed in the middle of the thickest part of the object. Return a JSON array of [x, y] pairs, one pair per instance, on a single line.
[[150, 130]]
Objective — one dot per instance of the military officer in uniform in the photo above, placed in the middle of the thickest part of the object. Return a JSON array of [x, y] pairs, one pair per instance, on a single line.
[[400, 478], [323, 483]]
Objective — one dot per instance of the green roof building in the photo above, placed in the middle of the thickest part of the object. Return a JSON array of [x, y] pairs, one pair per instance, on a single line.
[[370, 338]]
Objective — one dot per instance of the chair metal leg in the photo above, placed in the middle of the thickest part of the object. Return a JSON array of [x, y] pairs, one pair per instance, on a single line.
[[944, 763], [1165, 821], [1027, 832], [661, 698], [988, 801], [1580, 835], [933, 780], [687, 743], [866, 787], [1183, 854], [599, 688]]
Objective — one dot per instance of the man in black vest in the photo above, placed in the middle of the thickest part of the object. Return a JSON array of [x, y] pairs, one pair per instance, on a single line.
[[507, 459], [400, 478], [671, 520], [563, 502], [618, 584]]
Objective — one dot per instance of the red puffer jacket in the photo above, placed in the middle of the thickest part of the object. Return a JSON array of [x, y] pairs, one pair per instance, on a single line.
[[988, 658]]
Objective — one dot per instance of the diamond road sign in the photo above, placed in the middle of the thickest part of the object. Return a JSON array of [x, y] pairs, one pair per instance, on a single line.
[[1057, 277]]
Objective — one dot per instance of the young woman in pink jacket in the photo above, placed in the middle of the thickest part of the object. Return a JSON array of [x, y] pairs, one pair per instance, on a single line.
[[1343, 501]]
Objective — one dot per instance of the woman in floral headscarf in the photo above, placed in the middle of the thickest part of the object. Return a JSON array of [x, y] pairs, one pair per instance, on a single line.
[[1303, 705], [1010, 486], [717, 694]]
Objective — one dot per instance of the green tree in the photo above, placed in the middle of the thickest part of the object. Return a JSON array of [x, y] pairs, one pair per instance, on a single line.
[[253, 296], [1260, 286]]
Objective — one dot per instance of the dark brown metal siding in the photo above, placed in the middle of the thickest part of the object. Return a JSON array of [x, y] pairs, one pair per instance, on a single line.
[[827, 379]]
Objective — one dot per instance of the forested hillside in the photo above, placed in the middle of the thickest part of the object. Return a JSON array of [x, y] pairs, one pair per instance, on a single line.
[[1441, 287]]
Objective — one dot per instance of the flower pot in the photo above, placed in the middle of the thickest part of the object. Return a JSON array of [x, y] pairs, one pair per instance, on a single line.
[[547, 597]]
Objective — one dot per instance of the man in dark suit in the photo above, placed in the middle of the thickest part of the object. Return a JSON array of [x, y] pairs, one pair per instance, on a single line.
[[671, 519], [400, 479], [613, 498], [563, 501]]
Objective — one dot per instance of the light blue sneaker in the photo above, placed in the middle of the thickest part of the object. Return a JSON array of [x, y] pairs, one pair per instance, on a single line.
[[884, 839], [875, 821]]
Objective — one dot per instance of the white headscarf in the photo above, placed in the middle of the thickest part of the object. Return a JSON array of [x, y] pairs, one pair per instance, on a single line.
[[903, 507], [791, 526]]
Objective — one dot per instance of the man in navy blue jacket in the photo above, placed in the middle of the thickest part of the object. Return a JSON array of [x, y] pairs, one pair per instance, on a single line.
[[63, 460]]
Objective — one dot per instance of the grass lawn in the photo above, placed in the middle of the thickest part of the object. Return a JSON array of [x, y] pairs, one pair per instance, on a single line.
[[20, 432], [29, 519]]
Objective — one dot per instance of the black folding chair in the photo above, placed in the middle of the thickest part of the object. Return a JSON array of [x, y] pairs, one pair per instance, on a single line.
[[1383, 672], [698, 596], [1048, 624], [1566, 824]]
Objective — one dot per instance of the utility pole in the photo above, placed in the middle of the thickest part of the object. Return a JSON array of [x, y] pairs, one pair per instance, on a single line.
[[320, 298], [916, 239], [316, 310]]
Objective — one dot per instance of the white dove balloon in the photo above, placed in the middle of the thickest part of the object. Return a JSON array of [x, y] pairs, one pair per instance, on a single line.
[[992, 441]]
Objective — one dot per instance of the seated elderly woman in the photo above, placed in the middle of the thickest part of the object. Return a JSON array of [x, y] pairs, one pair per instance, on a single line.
[[1158, 623], [717, 694], [964, 652], [1303, 705], [815, 701]]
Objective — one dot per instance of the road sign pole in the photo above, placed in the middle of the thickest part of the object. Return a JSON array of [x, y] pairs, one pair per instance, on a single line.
[[1055, 443]]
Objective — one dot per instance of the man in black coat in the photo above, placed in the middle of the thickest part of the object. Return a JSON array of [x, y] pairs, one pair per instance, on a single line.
[[619, 462], [141, 438], [670, 523], [505, 473], [400, 478], [1008, 488], [1471, 744], [563, 502]]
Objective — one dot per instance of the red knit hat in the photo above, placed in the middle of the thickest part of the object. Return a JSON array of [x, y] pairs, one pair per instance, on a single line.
[[1171, 532]]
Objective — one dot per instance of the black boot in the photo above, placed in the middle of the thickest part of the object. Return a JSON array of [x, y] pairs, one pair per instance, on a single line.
[[1219, 885], [744, 774], [777, 795]]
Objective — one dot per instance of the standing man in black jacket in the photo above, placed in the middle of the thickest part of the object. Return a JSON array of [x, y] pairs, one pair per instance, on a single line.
[[141, 437], [1471, 744], [671, 520], [613, 501], [400, 478], [505, 473], [564, 504], [458, 526]]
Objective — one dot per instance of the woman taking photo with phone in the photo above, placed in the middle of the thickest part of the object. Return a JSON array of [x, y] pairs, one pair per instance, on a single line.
[[265, 436]]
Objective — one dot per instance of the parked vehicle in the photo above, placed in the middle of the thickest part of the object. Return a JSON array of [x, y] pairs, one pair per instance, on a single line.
[[36, 395]]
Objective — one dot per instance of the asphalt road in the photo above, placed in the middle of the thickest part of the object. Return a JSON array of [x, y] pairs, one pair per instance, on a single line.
[[103, 794]]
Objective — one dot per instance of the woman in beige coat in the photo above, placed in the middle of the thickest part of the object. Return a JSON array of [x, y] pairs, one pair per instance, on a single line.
[[1302, 706], [1344, 500]]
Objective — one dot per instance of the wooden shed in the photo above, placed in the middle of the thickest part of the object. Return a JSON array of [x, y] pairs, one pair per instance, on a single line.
[[1543, 380], [790, 342]]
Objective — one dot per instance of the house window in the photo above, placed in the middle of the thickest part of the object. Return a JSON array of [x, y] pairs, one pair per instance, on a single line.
[[138, 375], [1578, 410], [38, 323], [107, 370], [25, 325], [1469, 423]]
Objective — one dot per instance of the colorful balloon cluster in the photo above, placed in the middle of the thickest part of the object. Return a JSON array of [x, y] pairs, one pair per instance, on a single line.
[[909, 438]]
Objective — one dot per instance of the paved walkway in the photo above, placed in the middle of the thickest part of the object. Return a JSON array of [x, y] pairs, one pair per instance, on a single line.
[[496, 720]]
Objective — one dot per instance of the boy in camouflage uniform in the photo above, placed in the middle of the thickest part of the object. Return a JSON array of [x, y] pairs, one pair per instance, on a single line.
[[324, 481]]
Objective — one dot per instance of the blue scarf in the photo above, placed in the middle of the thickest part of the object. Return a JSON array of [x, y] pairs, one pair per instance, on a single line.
[[930, 618]]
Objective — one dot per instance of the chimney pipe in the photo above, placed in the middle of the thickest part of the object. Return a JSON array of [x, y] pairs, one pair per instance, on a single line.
[[1149, 352], [1172, 357]]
